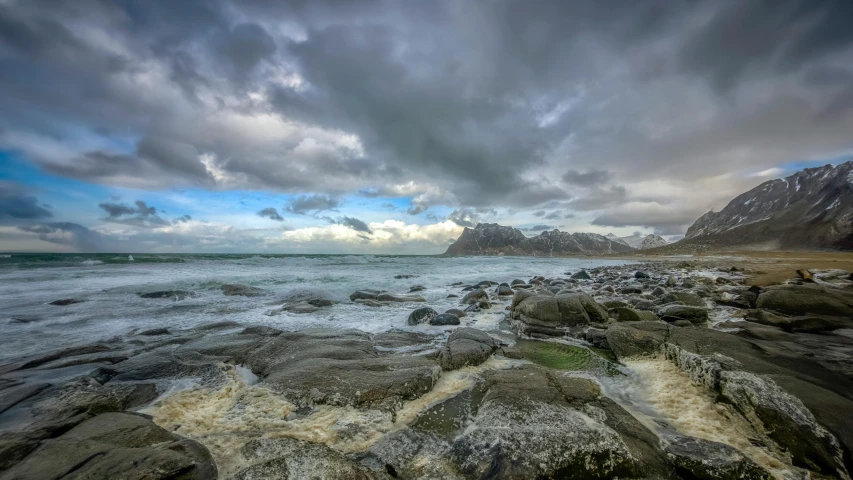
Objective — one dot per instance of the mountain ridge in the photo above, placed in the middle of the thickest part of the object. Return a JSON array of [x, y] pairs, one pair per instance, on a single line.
[[494, 239], [810, 209]]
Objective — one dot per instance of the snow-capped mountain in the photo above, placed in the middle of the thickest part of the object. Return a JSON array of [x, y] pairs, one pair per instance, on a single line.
[[640, 241], [812, 208], [494, 239]]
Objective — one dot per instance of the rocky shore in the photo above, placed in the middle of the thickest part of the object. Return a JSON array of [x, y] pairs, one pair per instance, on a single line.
[[657, 370]]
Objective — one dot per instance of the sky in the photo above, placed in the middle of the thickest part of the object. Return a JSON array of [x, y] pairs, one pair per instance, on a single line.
[[372, 126]]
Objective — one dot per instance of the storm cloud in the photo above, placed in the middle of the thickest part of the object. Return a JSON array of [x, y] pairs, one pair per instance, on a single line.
[[16, 203], [270, 213], [573, 108]]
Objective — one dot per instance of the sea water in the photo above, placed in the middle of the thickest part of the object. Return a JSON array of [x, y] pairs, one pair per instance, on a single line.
[[109, 286]]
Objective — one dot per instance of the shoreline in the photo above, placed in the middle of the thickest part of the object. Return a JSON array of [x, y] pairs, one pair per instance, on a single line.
[[573, 372]]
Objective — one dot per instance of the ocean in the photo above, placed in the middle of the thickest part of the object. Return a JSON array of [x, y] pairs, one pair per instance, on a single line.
[[109, 287]]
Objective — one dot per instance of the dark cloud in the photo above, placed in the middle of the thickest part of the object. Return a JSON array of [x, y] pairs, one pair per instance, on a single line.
[[590, 178], [539, 228], [16, 203], [182, 219], [74, 235], [459, 104], [664, 219], [464, 217], [140, 214], [540, 213], [553, 215], [270, 213], [305, 204], [354, 224]]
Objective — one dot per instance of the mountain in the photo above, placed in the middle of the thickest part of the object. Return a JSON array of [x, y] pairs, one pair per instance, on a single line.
[[652, 241], [494, 239], [811, 209], [640, 241]]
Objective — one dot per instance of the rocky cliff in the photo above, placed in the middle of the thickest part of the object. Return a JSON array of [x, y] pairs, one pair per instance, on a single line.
[[810, 209], [494, 239]]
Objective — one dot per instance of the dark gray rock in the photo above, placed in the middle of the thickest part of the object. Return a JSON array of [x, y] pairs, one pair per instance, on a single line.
[[631, 315], [552, 315], [117, 445], [456, 311], [444, 319], [808, 299], [65, 301], [292, 459], [421, 315], [466, 346], [581, 275], [686, 298], [24, 318], [640, 275], [504, 291], [167, 294], [673, 313], [242, 290], [475, 296], [707, 460]]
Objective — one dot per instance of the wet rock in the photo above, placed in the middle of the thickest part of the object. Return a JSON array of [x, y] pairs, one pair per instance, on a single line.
[[65, 301], [685, 298], [167, 294], [117, 445], [466, 346], [453, 295], [371, 303], [288, 458], [74, 351], [659, 291], [339, 367], [613, 304], [627, 342], [403, 276], [154, 332], [9, 397], [517, 282], [640, 275], [805, 275], [484, 305], [24, 319], [673, 313], [261, 330], [503, 290], [810, 299], [475, 296], [768, 318], [581, 275], [544, 314], [670, 281], [320, 302], [421, 315], [296, 307], [631, 315], [387, 297], [630, 290], [455, 311], [706, 460], [242, 290], [364, 295], [532, 424], [399, 339], [416, 288], [53, 410], [444, 319]]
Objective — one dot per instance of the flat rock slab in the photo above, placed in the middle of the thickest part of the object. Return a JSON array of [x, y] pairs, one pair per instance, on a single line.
[[117, 445]]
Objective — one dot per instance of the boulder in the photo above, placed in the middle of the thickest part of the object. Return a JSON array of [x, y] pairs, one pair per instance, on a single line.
[[421, 315], [551, 315], [706, 460], [289, 458], [629, 342], [339, 367], [686, 298], [65, 301], [168, 294], [503, 290], [387, 297], [533, 424], [475, 296], [466, 346], [444, 319], [416, 288], [241, 290], [631, 315], [455, 311], [581, 275], [517, 282], [640, 275], [808, 299], [659, 291], [117, 445], [673, 313]]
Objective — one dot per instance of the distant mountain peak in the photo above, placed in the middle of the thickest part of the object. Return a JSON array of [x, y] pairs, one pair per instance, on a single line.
[[494, 239], [812, 208]]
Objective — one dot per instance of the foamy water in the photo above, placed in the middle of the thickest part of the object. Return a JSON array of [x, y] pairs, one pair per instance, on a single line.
[[110, 284]]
